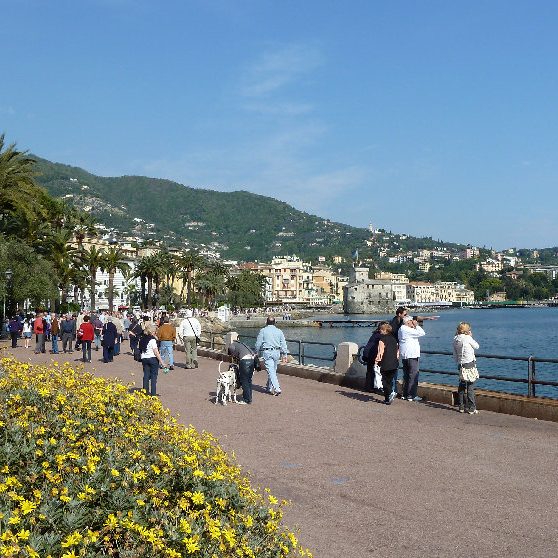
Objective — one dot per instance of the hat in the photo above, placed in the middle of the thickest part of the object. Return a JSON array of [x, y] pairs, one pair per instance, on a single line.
[[407, 319]]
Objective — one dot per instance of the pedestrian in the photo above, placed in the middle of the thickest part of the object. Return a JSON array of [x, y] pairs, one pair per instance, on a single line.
[[87, 336], [150, 360], [68, 330], [409, 349], [271, 344], [14, 327], [387, 358], [109, 337], [135, 333], [98, 327], [369, 354], [27, 331], [464, 347], [189, 333], [166, 333], [244, 357], [119, 329], [54, 333], [39, 328]]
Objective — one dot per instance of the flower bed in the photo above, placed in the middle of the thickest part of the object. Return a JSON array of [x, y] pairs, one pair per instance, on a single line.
[[89, 469]]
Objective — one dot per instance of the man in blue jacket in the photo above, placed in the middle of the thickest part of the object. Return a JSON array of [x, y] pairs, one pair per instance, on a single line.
[[272, 345]]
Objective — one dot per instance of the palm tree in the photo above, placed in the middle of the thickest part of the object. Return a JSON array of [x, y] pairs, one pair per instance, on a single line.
[[210, 284], [188, 263], [148, 271], [93, 260], [65, 258], [22, 201], [113, 262]]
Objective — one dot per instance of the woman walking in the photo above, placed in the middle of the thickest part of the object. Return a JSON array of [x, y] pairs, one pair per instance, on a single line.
[[150, 360], [464, 347]]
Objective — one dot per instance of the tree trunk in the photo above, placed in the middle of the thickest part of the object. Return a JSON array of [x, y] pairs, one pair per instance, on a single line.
[[92, 288], [149, 293], [111, 291]]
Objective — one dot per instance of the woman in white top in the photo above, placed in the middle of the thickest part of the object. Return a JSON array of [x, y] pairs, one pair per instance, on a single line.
[[464, 347], [27, 331], [150, 359]]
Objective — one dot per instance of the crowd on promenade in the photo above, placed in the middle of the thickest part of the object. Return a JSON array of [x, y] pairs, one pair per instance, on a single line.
[[152, 336], [399, 339]]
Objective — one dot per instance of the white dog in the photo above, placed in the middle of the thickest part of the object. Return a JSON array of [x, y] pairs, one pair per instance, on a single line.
[[226, 385]]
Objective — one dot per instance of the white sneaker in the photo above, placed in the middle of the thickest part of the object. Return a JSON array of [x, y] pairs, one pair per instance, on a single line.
[[241, 402]]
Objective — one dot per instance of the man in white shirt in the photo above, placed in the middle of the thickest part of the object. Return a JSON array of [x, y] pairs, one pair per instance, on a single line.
[[189, 333], [409, 350]]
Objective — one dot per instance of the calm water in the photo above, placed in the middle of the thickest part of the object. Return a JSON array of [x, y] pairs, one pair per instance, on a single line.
[[505, 331]]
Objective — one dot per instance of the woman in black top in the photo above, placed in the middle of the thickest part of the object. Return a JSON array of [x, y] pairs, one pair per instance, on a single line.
[[387, 358]]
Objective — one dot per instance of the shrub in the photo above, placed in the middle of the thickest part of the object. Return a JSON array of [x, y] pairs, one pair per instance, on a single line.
[[89, 469]]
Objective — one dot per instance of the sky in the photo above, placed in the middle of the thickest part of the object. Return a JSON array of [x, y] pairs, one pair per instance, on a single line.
[[429, 118]]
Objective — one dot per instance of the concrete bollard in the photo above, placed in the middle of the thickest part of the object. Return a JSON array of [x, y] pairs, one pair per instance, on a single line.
[[346, 352], [230, 337]]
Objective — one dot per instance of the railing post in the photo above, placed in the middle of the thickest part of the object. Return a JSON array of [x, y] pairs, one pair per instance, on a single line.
[[530, 385], [533, 378], [302, 353]]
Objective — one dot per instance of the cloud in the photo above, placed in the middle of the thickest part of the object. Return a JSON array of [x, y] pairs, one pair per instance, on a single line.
[[7, 110], [278, 68]]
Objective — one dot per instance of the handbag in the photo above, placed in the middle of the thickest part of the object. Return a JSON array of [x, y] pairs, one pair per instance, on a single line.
[[137, 354], [257, 363], [468, 371]]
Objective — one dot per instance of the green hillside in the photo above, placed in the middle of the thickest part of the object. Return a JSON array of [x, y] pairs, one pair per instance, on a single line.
[[233, 221]]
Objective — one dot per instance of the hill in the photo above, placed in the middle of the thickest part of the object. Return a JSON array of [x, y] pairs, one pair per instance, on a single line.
[[236, 225]]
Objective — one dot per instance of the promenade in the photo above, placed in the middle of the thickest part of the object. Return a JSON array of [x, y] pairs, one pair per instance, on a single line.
[[365, 479]]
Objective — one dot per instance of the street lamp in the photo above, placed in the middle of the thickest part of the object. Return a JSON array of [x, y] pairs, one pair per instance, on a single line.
[[8, 274]]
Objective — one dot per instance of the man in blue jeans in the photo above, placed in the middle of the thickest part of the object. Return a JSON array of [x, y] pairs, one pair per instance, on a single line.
[[272, 345], [167, 337]]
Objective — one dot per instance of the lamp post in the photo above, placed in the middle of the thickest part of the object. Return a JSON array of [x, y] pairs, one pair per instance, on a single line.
[[8, 274]]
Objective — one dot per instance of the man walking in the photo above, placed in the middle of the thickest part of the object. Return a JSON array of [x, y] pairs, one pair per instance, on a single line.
[[409, 349], [272, 345], [68, 329], [166, 333], [189, 334], [244, 358]]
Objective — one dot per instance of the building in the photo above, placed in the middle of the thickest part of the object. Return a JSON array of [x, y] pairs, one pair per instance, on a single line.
[[366, 296]]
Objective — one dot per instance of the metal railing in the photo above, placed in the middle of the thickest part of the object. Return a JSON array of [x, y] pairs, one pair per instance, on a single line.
[[530, 377], [302, 355], [300, 352]]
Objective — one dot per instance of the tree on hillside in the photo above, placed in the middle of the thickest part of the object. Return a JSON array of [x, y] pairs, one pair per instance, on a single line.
[[112, 262]]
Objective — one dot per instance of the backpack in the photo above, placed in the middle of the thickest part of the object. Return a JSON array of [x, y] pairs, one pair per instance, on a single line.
[[365, 351]]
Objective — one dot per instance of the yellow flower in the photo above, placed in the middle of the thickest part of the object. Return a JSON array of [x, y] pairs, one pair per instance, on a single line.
[[23, 535], [114, 473], [72, 540], [198, 498], [27, 507]]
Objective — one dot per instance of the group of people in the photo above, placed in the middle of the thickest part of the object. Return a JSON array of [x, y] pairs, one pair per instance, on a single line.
[[399, 339], [152, 334]]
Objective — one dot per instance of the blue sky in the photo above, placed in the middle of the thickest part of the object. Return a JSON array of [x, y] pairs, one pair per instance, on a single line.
[[432, 118]]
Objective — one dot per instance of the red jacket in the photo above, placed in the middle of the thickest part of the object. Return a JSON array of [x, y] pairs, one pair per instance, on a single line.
[[88, 331]]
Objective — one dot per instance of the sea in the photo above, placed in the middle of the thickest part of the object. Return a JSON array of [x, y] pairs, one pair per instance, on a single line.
[[506, 332]]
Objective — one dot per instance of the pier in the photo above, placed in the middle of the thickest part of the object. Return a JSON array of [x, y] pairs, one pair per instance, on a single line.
[[347, 323], [365, 479]]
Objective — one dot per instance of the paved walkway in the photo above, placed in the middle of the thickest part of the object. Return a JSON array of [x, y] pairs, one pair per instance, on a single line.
[[409, 480]]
